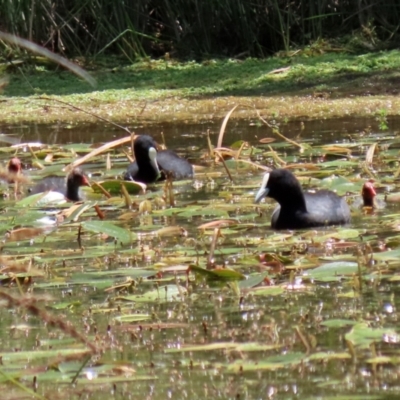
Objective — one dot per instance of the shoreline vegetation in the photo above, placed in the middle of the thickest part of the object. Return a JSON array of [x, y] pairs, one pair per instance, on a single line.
[[297, 87], [192, 29], [290, 60]]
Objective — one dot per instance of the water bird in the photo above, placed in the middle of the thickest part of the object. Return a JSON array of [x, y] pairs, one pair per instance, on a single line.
[[369, 199], [151, 165], [14, 170], [298, 209], [368, 194], [14, 165], [69, 187]]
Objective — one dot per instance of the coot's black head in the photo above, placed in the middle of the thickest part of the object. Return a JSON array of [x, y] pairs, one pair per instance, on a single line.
[[282, 185], [75, 179], [145, 150]]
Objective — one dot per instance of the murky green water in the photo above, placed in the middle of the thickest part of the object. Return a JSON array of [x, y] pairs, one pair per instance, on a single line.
[[316, 318]]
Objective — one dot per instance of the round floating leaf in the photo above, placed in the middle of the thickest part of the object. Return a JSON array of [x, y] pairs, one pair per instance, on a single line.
[[37, 354], [270, 363], [333, 271], [382, 360], [362, 335], [253, 280], [104, 227], [392, 255], [39, 199], [204, 347], [346, 234], [132, 317], [338, 323], [268, 291], [220, 274], [115, 186], [324, 356], [162, 294]]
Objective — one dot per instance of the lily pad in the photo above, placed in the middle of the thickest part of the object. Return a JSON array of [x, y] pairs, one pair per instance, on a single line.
[[218, 274], [362, 335], [333, 271], [115, 186], [162, 294], [104, 227]]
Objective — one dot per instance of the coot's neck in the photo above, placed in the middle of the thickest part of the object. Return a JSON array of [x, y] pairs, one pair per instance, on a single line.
[[147, 165], [292, 201], [146, 170], [72, 192], [142, 160]]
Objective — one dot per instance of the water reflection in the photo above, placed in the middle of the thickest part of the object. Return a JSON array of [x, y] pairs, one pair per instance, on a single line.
[[177, 134]]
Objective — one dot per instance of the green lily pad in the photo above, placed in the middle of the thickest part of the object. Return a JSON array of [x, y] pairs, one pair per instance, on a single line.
[[104, 227], [132, 317], [162, 294], [270, 363], [333, 271], [338, 323], [362, 335], [115, 186], [220, 274]]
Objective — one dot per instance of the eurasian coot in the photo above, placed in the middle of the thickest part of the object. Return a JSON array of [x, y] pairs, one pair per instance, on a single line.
[[299, 210], [69, 188], [151, 166]]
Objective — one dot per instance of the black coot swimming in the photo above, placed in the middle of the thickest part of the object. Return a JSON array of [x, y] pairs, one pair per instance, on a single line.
[[152, 165], [69, 188], [297, 209]]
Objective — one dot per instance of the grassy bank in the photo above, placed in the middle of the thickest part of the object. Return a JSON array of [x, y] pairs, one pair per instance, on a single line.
[[298, 87]]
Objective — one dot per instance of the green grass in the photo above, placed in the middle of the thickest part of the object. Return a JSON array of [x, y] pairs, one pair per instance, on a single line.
[[328, 85]]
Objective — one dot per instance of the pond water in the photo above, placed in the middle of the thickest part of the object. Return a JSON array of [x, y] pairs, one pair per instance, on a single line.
[[90, 315]]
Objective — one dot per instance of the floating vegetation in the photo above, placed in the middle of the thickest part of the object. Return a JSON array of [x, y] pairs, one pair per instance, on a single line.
[[181, 289]]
